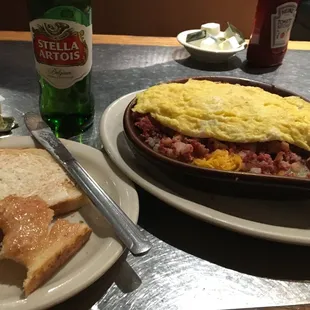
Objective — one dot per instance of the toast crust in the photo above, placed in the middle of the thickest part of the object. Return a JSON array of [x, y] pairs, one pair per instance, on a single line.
[[70, 205], [38, 277], [34, 172], [30, 240]]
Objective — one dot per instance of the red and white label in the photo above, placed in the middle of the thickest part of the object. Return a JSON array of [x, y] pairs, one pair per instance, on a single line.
[[281, 24], [63, 51]]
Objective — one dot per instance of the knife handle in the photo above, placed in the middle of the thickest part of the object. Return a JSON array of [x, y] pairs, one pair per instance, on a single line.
[[124, 228]]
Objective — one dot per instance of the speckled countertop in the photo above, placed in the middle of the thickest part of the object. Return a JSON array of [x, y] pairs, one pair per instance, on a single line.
[[202, 267]]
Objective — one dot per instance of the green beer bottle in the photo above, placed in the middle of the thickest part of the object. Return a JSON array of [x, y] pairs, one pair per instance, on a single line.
[[62, 44]]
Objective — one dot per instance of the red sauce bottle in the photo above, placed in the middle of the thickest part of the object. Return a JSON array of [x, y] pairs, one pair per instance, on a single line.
[[272, 28]]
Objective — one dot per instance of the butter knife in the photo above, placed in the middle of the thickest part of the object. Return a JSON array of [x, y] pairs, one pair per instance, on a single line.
[[124, 228]]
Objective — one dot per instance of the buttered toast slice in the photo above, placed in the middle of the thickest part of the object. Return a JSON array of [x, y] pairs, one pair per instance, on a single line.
[[30, 240], [32, 171]]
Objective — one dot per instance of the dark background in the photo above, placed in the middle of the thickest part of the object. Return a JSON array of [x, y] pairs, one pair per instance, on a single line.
[[161, 17], [147, 17]]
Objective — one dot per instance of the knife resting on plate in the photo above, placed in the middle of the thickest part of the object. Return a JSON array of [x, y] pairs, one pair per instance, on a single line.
[[124, 228]]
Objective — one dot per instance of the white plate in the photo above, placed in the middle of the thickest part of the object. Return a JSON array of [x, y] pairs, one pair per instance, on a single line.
[[275, 220], [209, 56], [99, 253]]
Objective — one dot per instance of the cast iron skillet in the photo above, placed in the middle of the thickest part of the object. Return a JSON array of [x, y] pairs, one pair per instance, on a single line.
[[227, 182]]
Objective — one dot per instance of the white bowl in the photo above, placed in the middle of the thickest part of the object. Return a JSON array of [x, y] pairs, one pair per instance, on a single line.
[[208, 56]]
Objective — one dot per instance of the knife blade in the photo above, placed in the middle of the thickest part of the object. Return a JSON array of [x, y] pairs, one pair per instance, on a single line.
[[124, 228]]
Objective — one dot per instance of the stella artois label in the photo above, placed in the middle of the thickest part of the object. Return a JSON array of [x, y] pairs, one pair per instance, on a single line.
[[62, 50]]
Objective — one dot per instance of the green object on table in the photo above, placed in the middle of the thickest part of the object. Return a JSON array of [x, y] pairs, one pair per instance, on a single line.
[[7, 123], [2, 124]]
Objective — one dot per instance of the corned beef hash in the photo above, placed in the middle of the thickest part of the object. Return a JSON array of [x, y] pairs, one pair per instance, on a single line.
[[227, 127]]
